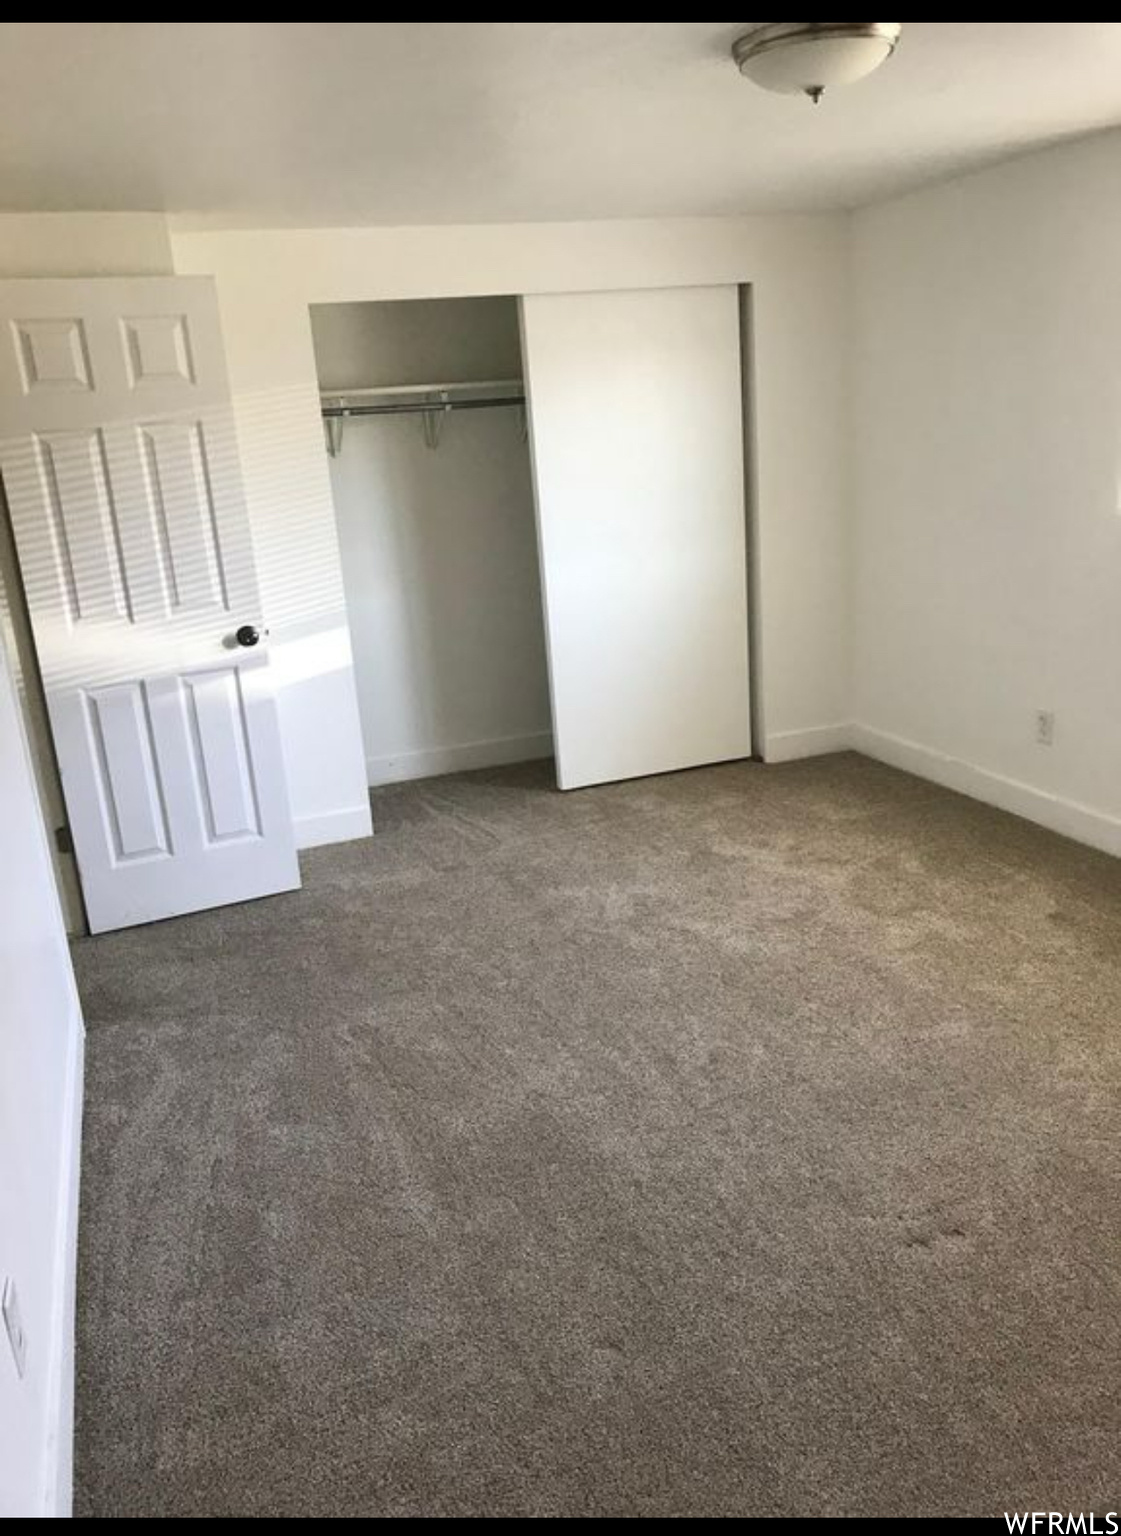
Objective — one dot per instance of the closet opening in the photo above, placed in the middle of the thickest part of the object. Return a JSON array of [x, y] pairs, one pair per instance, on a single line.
[[425, 427]]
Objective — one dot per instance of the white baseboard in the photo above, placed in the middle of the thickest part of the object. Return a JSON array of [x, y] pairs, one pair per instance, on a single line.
[[459, 759], [786, 746], [1080, 822], [334, 826], [58, 1466]]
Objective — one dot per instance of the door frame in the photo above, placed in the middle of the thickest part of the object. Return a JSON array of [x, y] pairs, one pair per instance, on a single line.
[[23, 663]]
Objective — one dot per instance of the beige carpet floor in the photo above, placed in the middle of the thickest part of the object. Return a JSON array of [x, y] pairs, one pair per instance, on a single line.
[[740, 1142]]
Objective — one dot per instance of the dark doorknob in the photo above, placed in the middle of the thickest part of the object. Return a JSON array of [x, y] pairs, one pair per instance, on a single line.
[[248, 634]]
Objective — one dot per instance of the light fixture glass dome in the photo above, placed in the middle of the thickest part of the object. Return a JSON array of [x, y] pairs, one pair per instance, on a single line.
[[813, 56]]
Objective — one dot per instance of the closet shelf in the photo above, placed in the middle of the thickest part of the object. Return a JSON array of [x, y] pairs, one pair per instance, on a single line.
[[432, 402]]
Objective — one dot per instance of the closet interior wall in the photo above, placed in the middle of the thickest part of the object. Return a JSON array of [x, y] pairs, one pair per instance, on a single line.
[[438, 544]]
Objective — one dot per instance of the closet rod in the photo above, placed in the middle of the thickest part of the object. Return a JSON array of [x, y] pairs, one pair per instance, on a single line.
[[427, 407], [336, 408]]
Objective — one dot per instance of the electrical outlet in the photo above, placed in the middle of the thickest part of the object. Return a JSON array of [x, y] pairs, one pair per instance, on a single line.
[[1045, 727], [13, 1322]]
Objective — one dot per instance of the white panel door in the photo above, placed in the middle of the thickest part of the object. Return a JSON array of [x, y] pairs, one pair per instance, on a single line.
[[120, 468], [637, 433]]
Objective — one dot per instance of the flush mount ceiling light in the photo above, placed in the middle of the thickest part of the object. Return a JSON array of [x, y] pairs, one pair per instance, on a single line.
[[813, 56]]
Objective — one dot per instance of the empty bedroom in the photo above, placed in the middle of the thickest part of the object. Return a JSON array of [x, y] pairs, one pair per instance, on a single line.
[[560, 770]]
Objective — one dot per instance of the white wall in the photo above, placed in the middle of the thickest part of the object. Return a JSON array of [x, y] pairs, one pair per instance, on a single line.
[[63, 245], [416, 342], [798, 268], [987, 419], [40, 1112], [84, 245], [438, 549]]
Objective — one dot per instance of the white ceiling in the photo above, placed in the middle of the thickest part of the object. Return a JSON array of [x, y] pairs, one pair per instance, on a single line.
[[292, 123]]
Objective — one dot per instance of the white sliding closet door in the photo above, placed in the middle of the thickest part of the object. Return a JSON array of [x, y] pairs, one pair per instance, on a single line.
[[637, 433]]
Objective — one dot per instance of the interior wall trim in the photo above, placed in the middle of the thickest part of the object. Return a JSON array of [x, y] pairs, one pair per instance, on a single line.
[[461, 758], [1081, 822], [341, 826], [58, 1452], [814, 741]]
